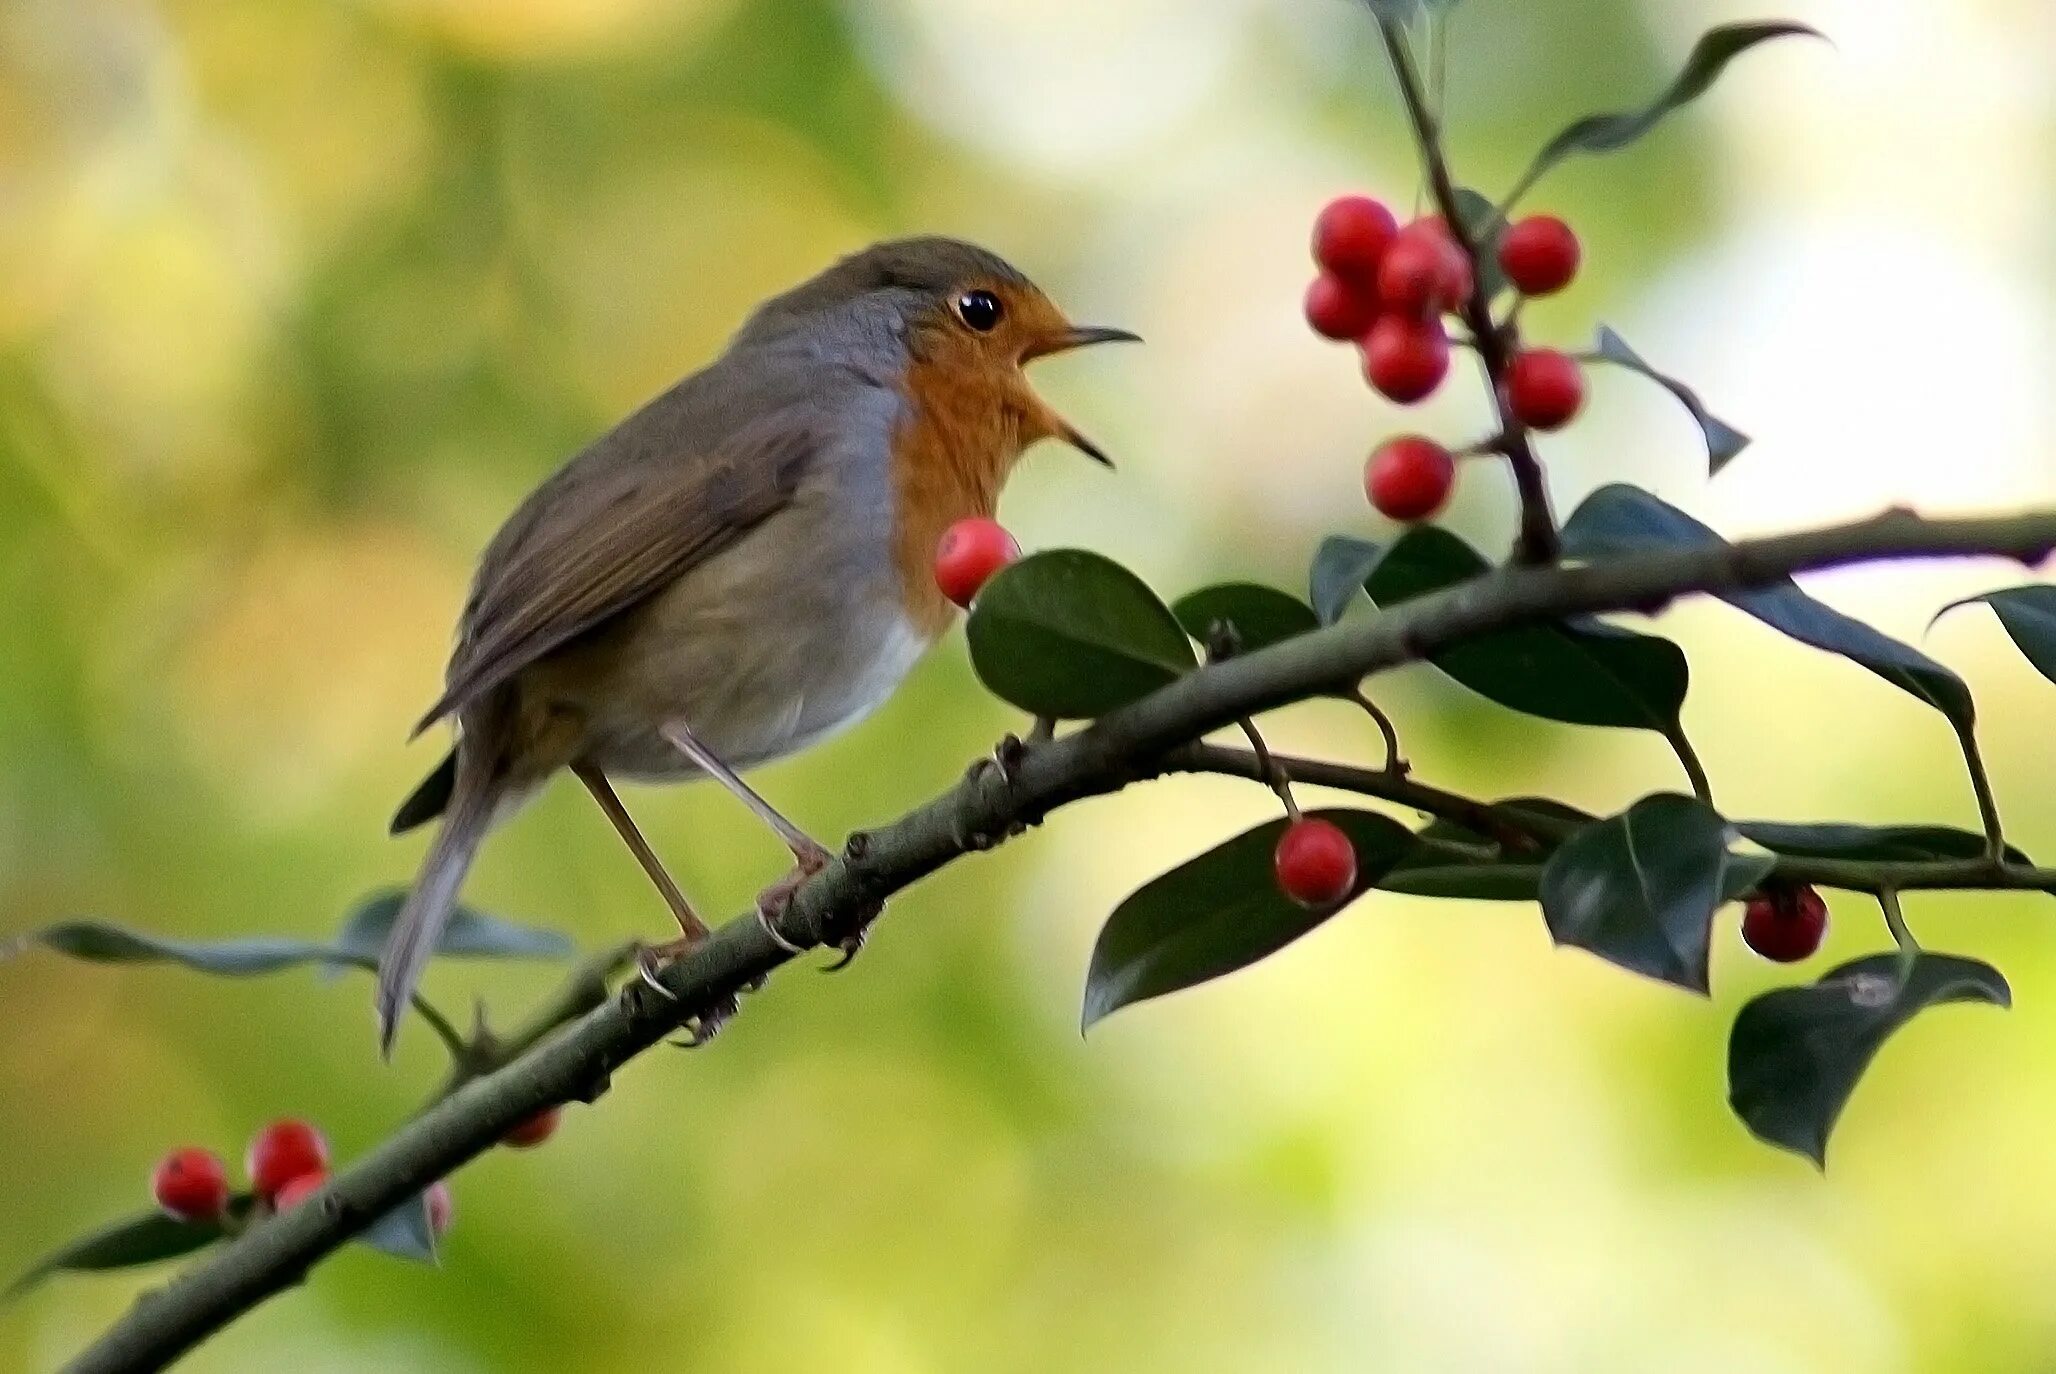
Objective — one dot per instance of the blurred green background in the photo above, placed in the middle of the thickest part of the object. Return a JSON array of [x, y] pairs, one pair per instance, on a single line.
[[298, 297]]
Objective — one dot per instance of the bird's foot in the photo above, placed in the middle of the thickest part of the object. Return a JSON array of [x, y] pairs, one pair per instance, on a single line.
[[703, 1026], [773, 902], [652, 960], [850, 940]]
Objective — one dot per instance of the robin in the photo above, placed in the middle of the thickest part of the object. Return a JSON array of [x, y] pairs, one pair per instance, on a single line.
[[739, 569]]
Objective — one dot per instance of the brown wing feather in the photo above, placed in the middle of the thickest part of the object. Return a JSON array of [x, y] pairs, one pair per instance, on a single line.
[[613, 535]]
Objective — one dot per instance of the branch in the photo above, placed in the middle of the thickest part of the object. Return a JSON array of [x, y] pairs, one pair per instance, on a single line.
[[1538, 539], [992, 803]]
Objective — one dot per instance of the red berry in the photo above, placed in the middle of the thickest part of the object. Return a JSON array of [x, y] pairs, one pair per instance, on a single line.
[[440, 1208], [1406, 359], [1351, 236], [191, 1184], [535, 1130], [1409, 478], [295, 1191], [1540, 255], [1339, 309], [971, 551], [1316, 863], [1424, 272], [1544, 388], [282, 1152], [1785, 924]]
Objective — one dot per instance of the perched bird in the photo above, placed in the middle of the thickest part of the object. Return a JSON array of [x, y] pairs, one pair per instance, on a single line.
[[740, 568]]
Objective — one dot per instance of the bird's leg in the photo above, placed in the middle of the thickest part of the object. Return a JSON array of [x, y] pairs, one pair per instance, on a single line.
[[692, 931], [808, 856]]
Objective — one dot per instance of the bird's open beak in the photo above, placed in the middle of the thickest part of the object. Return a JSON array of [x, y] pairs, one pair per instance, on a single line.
[[1063, 341]]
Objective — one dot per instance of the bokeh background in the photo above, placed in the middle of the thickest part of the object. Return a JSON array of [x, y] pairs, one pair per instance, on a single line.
[[298, 297]]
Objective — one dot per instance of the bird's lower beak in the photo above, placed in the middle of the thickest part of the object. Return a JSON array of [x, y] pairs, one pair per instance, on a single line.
[[1079, 336], [1068, 432]]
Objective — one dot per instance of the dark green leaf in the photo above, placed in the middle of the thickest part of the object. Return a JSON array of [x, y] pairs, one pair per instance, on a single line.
[[1490, 881], [1583, 672], [1724, 443], [1608, 132], [1641, 888], [145, 1238], [1259, 616], [1796, 1054], [2029, 615], [1871, 843], [101, 943], [1485, 227], [1621, 519], [1340, 566], [1220, 912], [1072, 635], [404, 1232], [471, 934]]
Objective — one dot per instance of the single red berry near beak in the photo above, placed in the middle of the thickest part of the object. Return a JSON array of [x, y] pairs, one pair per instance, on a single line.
[[1540, 255], [1315, 862], [1409, 478], [191, 1184], [970, 552]]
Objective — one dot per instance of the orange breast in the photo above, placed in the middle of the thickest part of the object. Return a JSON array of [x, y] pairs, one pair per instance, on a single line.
[[952, 454]]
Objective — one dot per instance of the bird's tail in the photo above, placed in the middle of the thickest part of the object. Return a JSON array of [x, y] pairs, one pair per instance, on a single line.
[[419, 925]]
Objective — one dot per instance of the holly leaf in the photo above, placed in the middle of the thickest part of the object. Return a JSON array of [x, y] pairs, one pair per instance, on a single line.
[[1796, 1054], [145, 1238], [1872, 843], [1494, 880], [403, 1232], [1220, 912], [1259, 616], [1607, 133], [2029, 617], [1724, 443], [1340, 566], [1620, 519], [1071, 635], [1581, 672], [1640, 889], [470, 934]]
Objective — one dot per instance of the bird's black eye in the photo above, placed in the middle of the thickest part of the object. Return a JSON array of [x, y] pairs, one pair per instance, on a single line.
[[981, 310]]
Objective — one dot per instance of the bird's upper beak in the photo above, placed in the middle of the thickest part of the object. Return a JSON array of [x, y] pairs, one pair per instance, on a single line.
[[1064, 340]]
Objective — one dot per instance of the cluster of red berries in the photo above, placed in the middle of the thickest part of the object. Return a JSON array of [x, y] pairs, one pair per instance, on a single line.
[[1785, 923], [1387, 289], [287, 1163], [969, 553]]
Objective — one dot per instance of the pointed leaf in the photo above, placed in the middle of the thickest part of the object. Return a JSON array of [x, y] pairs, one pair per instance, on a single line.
[[1871, 843], [1608, 132], [101, 943], [1582, 672], [1796, 1054], [470, 934], [1259, 616], [1724, 443], [404, 1232], [1641, 888], [1072, 635], [1340, 566], [1492, 881], [145, 1238], [1621, 519], [2029, 615], [1220, 912]]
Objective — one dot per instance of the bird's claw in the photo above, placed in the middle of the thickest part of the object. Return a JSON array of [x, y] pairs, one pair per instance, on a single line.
[[851, 943], [703, 1026]]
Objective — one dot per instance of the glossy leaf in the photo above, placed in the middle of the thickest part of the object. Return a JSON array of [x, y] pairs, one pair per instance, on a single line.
[[1796, 1054], [1608, 132], [1724, 443], [1072, 635], [1340, 566], [470, 934], [1871, 843], [1260, 616], [146, 1238], [1220, 912], [1640, 889], [403, 1232], [1583, 672], [1486, 881], [1620, 519], [2029, 617]]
